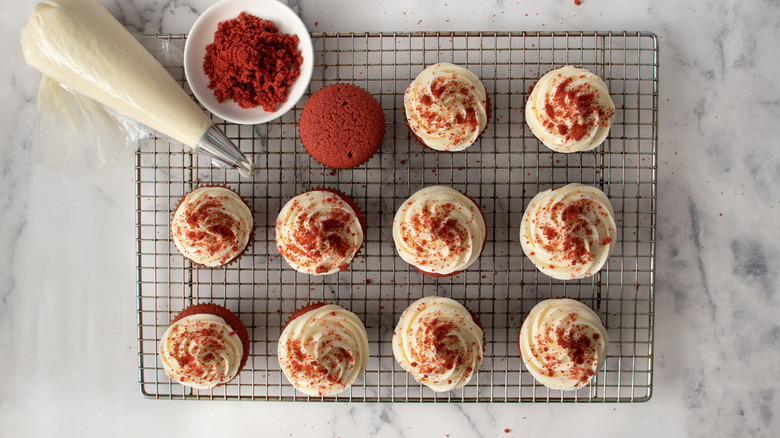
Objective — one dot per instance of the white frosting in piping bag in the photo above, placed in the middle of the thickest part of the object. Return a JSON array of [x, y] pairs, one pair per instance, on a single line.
[[81, 45]]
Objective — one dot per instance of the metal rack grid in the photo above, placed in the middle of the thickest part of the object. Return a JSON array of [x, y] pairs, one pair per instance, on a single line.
[[503, 171]]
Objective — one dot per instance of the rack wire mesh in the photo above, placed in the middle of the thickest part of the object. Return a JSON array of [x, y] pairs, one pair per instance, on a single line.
[[502, 172]]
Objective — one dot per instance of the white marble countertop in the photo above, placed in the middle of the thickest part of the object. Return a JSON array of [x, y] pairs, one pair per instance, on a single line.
[[67, 279]]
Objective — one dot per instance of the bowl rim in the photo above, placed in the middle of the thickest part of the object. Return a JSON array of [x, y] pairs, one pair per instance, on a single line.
[[202, 34]]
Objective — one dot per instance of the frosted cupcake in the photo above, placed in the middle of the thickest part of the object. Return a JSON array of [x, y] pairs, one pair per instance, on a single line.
[[212, 226], [563, 344], [323, 349], [570, 110], [439, 342], [568, 233], [439, 231], [205, 346], [320, 231], [447, 107]]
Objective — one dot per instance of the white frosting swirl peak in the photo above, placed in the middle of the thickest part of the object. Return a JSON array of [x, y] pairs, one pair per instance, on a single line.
[[318, 232], [439, 343], [323, 350], [563, 343], [439, 230], [212, 226], [569, 232], [201, 351], [570, 110], [446, 107]]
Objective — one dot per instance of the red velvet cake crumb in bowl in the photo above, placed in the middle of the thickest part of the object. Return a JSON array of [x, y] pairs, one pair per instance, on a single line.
[[243, 81]]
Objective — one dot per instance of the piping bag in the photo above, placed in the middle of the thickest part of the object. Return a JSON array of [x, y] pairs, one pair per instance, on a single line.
[[81, 45]]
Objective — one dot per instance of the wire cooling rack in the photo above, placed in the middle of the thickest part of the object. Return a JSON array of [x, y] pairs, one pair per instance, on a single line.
[[502, 172]]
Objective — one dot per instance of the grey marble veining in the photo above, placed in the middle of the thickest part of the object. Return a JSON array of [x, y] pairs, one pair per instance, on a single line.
[[67, 297]]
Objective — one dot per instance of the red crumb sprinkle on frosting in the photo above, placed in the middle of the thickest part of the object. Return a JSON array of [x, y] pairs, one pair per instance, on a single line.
[[252, 63], [563, 343], [568, 232], [211, 226], [573, 110], [323, 349], [570, 109], [439, 230], [319, 232], [439, 342], [201, 351], [446, 107]]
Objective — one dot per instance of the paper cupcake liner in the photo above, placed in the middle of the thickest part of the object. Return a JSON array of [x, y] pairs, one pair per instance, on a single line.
[[238, 255], [304, 310], [230, 318]]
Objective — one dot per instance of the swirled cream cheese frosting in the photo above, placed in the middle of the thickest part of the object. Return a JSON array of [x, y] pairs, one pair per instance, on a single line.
[[211, 226], [563, 343], [438, 341], [201, 351], [570, 110], [439, 231], [323, 349], [569, 232], [446, 107], [319, 232]]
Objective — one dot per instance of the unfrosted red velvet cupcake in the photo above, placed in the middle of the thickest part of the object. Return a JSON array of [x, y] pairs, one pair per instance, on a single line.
[[440, 231], [212, 226], [319, 232], [342, 126], [323, 349], [205, 346]]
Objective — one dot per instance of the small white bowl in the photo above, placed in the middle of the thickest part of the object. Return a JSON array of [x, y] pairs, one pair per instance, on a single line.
[[202, 34]]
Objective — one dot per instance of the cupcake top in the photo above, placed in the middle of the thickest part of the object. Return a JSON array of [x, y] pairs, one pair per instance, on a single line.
[[446, 107], [438, 341], [342, 126], [569, 232], [570, 110], [563, 343], [439, 230], [323, 349], [318, 232], [201, 351], [211, 226]]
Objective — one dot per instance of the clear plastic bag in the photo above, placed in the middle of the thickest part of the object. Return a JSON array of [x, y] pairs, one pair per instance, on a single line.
[[83, 138]]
